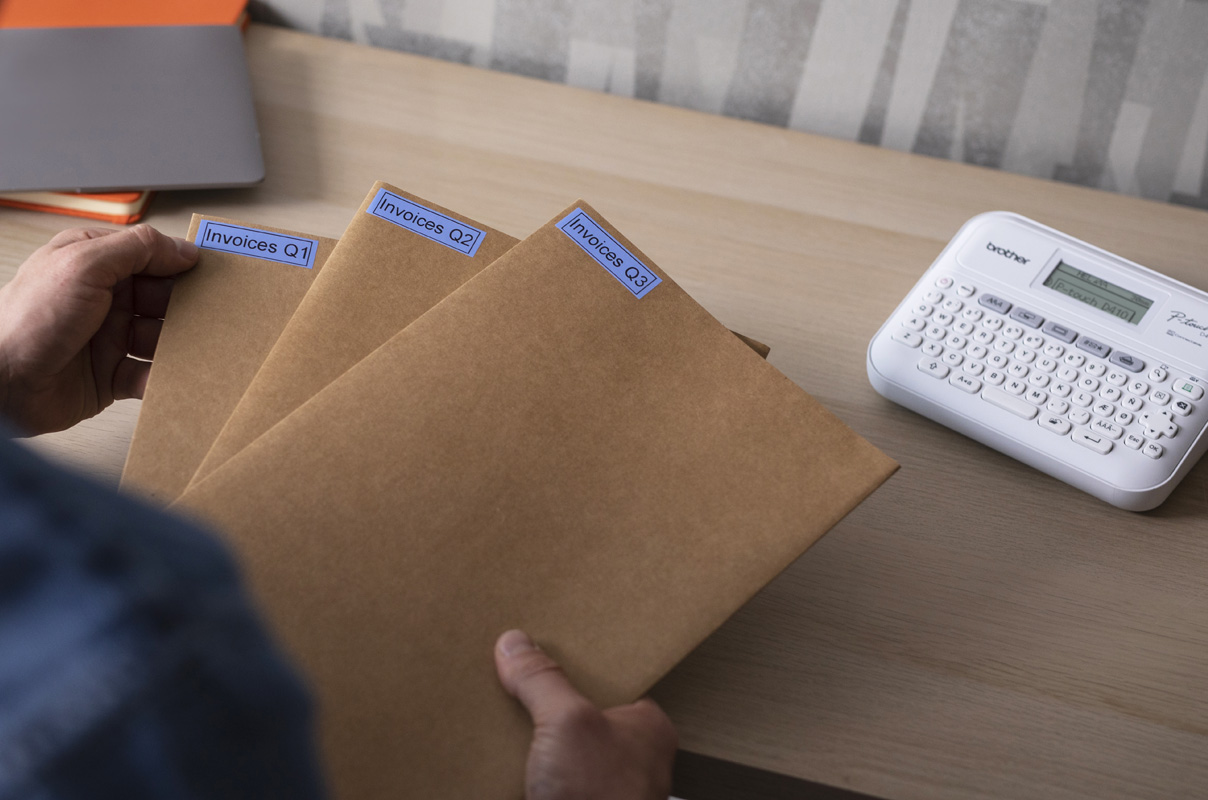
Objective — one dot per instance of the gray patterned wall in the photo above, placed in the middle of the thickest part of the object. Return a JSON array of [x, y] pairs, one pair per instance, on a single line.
[[1105, 93]]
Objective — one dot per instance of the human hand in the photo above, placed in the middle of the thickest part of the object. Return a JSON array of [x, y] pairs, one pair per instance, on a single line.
[[578, 751], [77, 317]]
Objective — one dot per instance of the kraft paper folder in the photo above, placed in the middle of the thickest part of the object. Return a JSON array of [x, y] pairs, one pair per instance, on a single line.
[[568, 443], [224, 316], [398, 257], [383, 276]]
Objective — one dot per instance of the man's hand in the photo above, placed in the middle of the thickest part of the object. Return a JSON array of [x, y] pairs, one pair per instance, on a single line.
[[77, 317], [579, 751]]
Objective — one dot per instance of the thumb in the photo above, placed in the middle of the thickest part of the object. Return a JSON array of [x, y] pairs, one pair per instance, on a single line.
[[535, 679], [104, 259]]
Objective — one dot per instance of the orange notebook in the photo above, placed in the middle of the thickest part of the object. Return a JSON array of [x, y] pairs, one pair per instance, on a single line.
[[121, 208], [101, 13]]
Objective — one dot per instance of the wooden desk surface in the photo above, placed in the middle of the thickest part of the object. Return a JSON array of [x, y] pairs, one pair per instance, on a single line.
[[975, 629]]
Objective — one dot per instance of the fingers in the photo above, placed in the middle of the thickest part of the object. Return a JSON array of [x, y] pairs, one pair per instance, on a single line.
[[103, 259], [535, 679], [151, 296], [130, 379], [144, 336], [73, 235]]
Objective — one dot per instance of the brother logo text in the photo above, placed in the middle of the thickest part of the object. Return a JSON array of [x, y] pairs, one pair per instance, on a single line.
[[1002, 251]]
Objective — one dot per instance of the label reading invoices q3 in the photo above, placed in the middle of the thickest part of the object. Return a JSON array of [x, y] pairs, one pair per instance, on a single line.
[[430, 224], [609, 253], [279, 247]]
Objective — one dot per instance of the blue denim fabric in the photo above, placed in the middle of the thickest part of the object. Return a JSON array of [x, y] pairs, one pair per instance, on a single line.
[[131, 662]]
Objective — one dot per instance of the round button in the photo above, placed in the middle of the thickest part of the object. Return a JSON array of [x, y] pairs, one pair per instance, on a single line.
[[944, 282]]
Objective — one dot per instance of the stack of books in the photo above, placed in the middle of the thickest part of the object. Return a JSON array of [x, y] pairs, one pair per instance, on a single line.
[[430, 431], [116, 207]]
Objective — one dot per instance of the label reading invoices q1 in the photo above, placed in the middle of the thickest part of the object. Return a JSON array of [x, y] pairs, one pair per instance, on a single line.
[[237, 239], [430, 224], [609, 253]]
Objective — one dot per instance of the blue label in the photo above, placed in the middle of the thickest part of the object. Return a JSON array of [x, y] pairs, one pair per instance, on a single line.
[[426, 222], [609, 253], [256, 243]]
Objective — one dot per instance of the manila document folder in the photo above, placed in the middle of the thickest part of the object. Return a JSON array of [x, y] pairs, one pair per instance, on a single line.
[[223, 319], [568, 444], [399, 256]]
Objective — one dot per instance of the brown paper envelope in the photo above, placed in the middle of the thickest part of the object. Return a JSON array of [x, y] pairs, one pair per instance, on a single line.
[[223, 318], [541, 450], [380, 278]]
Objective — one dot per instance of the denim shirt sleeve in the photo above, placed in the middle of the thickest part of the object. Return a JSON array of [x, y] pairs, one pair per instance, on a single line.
[[131, 662]]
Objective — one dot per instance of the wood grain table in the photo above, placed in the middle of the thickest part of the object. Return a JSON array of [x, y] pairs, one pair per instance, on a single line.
[[975, 629]]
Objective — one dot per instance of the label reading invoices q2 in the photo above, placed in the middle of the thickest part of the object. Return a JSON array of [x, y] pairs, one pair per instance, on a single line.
[[609, 253], [430, 224], [279, 247]]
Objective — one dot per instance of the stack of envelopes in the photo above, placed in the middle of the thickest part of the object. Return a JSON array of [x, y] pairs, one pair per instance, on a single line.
[[430, 432]]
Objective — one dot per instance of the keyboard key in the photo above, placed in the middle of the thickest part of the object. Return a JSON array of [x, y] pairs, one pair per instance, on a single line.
[[965, 383], [966, 290], [1108, 429], [1036, 397], [1034, 341], [973, 314], [1080, 416], [995, 377], [1094, 347], [1117, 378], [1128, 361], [1054, 351], [1104, 409], [1094, 441], [1057, 407], [1139, 388], [1015, 386], [1029, 318], [908, 338], [953, 358], [1158, 374], [1160, 398], [1060, 332], [1096, 369], [1082, 399], [934, 368], [1133, 441], [1039, 379], [1057, 425], [1061, 389], [1153, 450], [1111, 394], [974, 368], [1074, 360], [1017, 370], [1013, 332], [933, 349], [1182, 407], [995, 304], [1018, 407], [1188, 389]]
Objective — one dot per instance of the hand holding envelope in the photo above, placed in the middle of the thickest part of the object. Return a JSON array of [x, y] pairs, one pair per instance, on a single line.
[[562, 441]]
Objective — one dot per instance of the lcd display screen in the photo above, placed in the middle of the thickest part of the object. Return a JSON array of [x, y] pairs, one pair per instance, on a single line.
[[1094, 291]]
